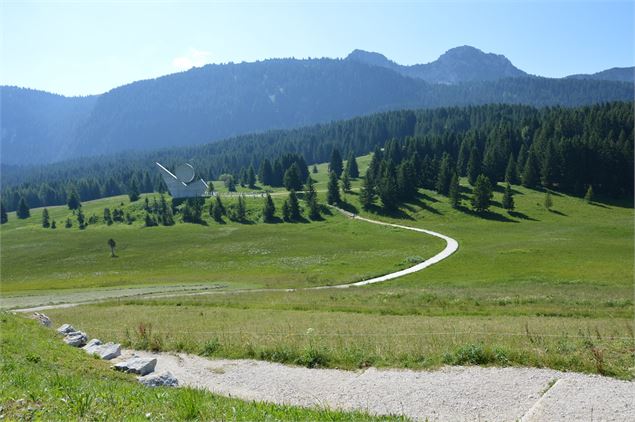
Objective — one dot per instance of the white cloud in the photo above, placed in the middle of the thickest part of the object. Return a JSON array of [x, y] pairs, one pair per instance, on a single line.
[[193, 58]]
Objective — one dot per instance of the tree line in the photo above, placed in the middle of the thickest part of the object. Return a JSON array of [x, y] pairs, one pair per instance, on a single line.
[[568, 149]]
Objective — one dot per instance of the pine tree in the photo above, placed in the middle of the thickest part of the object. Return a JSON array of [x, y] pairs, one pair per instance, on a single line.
[[461, 164], [133, 193], [251, 177], [309, 187], [530, 173], [268, 210], [112, 244], [294, 207], [217, 210], [69, 223], [314, 208], [388, 188], [508, 198], [292, 178], [81, 219], [242, 177], [150, 221], [265, 173], [336, 165], [3, 214], [45, 219], [588, 196], [315, 169], [445, 175], [73, 200], [23, 209], [549, 169], [548, 201], [333, 193], [367, 194], [353, 169], [241, 209], [473, 166], [511, 172], [482, 194], [286, 213], [346, 182], [455, 191], [108, 216], [53, 224]]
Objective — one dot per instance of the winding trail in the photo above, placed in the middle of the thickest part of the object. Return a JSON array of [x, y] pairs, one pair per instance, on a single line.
[[451, 246]]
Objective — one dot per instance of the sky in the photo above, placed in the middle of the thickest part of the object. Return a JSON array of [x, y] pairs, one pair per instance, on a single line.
[[89, 47]]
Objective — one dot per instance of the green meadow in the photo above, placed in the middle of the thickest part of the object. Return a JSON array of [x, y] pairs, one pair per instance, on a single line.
[[535, 287]]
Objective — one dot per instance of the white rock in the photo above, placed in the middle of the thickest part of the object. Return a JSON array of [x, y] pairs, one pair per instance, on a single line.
[[91, 346], [137, 365], [107, 351], [165, 379], [65, 329], [76, 339], [44, 320]]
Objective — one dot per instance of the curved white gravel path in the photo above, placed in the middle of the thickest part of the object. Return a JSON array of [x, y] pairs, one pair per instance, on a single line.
[[448, 394], [451, 246]]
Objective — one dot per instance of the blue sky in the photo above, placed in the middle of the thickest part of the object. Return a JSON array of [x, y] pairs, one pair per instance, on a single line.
[[89, 47]]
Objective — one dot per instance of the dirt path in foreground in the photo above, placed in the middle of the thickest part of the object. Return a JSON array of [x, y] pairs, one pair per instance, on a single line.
[[447, 394]]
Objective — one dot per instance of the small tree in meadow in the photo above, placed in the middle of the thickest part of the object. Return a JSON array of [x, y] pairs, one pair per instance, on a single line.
[[73, 200], [112, 244], [217, 210], [367, 194], [69, 223], [333, 190], [23, 209], [45, 219], [482, 194], [3, 214], [508, 198], [548, 201], [53, 224], [268, 210]]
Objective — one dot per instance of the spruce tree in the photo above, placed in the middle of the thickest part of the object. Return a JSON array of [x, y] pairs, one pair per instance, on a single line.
[[3, 214], [482, 194], [548, 201], [388, 188], [367, 194], [112, 244], [455, 191], [353, 169], [108, 216], [133, 192], [268, 210], [294, 207], [69, 223], [588, 196], [45, 219], [346, 182], [508, 198], [314, 208], [217, 209], [292, 178], [511, 172], [286, 213], [251, 177], [53, 224], [445, 175], [265, 173], [309, 187], [461, 164], [81, 219], [333, 192], [473, 166], [530, 172], [549, 168], [315, 169], [241, 209], [336, 165], [23, 209], [73, 200]]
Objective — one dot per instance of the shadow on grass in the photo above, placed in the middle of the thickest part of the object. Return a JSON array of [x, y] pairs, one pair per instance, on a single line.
[[428, 198], [558, 212], [522, 216], [396, 213], [274, 220], [486, 215], [420, 202], [596, 204]]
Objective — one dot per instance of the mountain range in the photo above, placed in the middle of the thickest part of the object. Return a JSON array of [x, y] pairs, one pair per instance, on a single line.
[[218, 101]]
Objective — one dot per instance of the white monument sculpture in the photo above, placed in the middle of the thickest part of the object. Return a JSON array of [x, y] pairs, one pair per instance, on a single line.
[[181, 184]]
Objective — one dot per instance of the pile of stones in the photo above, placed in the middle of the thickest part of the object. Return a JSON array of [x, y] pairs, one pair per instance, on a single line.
[[107, 351]]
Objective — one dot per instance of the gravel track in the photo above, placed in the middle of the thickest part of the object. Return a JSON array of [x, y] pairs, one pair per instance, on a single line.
[[447, 394]]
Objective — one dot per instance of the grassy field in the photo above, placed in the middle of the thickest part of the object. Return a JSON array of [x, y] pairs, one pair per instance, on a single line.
[[534, 287], [44, 379], [231, 255]]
